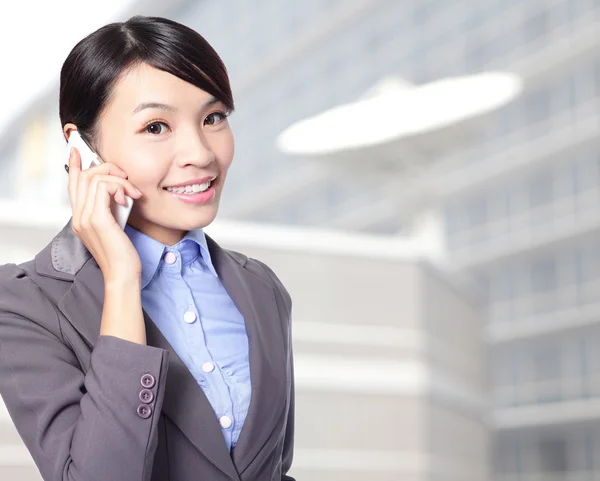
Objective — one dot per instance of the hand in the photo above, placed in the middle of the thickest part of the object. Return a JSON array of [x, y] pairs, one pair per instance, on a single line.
[[90, 193]]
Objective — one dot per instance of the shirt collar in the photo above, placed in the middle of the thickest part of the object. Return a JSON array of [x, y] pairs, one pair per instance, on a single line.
[[151, 251]]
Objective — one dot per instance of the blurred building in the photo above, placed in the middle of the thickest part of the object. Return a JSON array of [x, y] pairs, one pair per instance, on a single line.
[[521, 216], [518, 202]]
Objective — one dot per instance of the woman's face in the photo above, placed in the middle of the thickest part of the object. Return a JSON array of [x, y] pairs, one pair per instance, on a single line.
[[164, 132]]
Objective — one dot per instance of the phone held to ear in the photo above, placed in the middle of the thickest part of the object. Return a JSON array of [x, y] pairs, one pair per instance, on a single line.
[[88, 159]]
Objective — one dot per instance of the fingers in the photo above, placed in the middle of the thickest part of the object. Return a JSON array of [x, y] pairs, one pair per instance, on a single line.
[[98, 211], [96, 190], [74, 169], [76, 172], [83, 191], [101, 213]]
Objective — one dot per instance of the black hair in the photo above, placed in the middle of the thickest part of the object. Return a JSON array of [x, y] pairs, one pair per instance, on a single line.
[[96, 62]]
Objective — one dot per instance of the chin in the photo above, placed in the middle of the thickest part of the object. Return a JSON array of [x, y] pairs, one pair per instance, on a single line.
[[198, 221], [178, 219]]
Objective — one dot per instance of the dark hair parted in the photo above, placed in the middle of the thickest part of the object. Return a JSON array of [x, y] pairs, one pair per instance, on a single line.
[[94, 65]]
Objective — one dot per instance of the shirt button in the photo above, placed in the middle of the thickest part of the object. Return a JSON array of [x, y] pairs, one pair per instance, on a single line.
[[148, 381], [189, 317], [208, 367], [170, 258], [225, 422], [144, 411], [146, 396]]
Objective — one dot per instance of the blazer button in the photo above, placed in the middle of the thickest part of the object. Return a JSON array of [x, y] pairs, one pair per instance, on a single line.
[[144, 411], [148, 381], [146, 396]]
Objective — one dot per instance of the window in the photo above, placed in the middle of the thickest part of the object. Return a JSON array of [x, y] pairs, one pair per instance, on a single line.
[[590, 263], [543, 275], [454, 220], [477, 211], [547, 364], [566, 175], [584, 80], [499, 204], [503, 369], [570, 268], [553, 455], [537, 106], [536, 26], [541, 189], [506, 458], [587, 171], [501, 287]]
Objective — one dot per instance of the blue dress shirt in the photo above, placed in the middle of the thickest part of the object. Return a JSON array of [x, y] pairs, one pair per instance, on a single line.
[[183, 295]]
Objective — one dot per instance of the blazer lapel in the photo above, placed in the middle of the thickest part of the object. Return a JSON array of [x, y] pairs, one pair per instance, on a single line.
[[255, 299], [185, 403]]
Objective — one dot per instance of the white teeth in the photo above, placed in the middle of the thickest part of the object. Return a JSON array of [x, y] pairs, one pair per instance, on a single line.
[[190, 189]]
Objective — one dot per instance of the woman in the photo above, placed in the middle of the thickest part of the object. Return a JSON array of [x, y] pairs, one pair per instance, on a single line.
[[150, 353]]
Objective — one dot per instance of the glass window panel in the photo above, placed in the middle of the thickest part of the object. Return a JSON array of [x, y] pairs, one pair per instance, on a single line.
[[477, 211], [553, 455], [541, 189], [543, 275], [536, 26]]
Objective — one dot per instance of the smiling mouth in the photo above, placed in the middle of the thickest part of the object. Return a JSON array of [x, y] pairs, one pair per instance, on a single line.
[[191, 188]]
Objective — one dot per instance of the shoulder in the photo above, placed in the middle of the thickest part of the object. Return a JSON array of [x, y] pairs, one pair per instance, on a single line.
[[265, 272], [22, 298], [15, 280]]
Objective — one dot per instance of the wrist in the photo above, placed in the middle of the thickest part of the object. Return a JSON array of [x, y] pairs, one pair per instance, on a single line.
[[117, 284]]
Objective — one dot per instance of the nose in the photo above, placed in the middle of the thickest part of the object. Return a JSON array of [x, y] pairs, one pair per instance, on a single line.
[[194, 150]]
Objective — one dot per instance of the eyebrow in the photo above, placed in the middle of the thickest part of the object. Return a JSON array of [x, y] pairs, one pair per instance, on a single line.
[[161, 106]]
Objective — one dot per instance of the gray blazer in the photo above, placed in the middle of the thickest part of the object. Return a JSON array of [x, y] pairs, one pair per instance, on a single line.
[[92, 407]]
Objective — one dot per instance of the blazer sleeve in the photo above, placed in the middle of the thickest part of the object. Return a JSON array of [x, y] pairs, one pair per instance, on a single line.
[[288, 442], [77, 426]]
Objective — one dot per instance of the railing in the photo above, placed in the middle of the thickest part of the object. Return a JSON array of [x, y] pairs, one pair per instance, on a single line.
[[550, 476], [547, 392], [567, 306]]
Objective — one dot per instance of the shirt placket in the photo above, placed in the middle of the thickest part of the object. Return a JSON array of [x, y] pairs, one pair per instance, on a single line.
[[213, 381]]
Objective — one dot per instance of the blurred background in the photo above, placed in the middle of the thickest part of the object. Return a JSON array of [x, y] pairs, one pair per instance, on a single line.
[[439, 233]]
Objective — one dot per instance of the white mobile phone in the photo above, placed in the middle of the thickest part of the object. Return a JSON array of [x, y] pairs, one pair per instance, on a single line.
[[89, 158]]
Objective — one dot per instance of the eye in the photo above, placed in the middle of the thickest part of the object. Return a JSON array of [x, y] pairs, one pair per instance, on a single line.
[[215, 118], [156, 128]]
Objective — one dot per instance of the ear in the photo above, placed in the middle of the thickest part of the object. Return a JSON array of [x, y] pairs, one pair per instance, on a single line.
[[67, 129]]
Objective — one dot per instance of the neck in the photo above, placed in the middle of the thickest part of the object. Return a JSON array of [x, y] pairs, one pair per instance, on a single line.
[[162, 234]]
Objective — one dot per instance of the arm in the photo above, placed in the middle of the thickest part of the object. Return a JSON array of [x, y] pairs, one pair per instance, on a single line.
[[288, 442], [77, 426]]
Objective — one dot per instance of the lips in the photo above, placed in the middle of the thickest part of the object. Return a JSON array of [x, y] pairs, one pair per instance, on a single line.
[[198, 198], [192, 182]]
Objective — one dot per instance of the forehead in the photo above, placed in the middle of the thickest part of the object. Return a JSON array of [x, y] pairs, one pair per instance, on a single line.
[[143, 83]]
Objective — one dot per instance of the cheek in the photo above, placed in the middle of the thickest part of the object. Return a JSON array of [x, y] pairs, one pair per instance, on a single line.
[[145, 165], [145, 168], [224, 151]]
